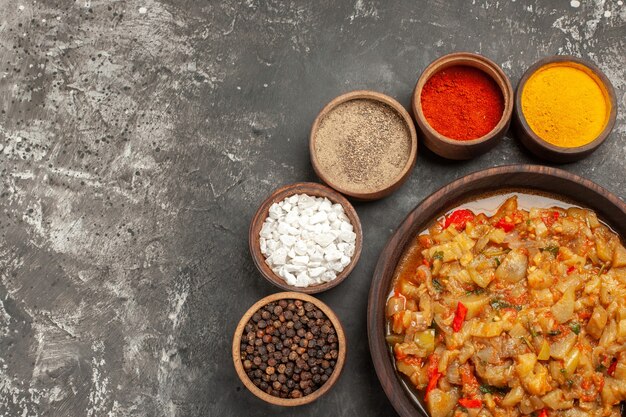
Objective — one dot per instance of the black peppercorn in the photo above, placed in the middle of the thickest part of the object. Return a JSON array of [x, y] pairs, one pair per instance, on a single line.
[[289, 348]]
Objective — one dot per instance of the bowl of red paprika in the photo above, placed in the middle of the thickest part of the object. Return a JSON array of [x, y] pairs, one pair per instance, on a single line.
[[462, 103]]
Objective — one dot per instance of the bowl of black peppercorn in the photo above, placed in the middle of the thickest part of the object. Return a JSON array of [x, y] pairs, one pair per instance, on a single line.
[[289, 349]]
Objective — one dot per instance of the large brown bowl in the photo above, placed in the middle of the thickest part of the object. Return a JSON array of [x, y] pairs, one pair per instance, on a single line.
[[555, 182], [463, 149], [289, 402], [312, 189]]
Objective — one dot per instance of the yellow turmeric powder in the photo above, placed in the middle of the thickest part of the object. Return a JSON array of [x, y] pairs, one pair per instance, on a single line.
[[565, 104]]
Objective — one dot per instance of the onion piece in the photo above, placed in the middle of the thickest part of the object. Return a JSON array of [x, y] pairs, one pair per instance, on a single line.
[[559, 349], [395, 305]]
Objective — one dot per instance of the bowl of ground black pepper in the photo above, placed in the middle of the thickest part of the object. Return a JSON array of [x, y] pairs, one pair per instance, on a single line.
[[363, 144], [462, 103], [289, 349]]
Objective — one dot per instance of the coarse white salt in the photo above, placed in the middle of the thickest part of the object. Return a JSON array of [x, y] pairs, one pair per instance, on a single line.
[[307, 240]]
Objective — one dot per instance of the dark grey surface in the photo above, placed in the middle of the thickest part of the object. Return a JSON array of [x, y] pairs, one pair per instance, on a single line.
[[138, 138]]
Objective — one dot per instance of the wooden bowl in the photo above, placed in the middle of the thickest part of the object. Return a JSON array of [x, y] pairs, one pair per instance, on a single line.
[[402, 176], [312, 189], [463, 149], [556, 182], [546, 150], [289, 402]]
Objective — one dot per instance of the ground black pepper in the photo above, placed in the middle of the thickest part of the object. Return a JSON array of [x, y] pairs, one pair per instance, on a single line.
[[289, 348], [362, 145]]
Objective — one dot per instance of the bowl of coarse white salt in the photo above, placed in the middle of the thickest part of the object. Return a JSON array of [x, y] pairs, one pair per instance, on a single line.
[[305, 237]]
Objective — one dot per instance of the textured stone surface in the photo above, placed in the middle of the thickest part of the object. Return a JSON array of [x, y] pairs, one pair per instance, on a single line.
[[137, 139]]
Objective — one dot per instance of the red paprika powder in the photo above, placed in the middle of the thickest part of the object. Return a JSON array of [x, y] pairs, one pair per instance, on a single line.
[[462, 102]]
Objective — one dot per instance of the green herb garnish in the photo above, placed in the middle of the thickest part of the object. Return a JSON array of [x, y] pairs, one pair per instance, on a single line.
[[602, 269], [575, 327], [438, 286], [570, 382], [497, 261], [486, 389], [476, 291], [498, 304], [528, 222], [554, 332], [553, 249], [463, 409], [562, 370], [600, 368], [438, 255], [490, 389], [527, 342]]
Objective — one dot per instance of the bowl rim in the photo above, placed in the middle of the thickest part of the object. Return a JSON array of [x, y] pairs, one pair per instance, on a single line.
[[279, 194], [289, 402], [611, 100], [381, 98], [441, 199], [462, 58]]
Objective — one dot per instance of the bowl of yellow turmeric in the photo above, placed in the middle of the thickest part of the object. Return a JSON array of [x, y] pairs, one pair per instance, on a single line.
[[565, 108]]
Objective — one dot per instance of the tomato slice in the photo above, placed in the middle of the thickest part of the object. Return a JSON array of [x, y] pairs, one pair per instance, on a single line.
[[433, 365], [459, 219], [471, 402], [550, 218], [505, 225], [612, 368], [459, 317], [432, 384]]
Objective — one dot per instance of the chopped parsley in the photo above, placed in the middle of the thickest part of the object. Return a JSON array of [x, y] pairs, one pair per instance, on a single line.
[[476, 291], [486, 389], [554, 332], [498, 304], [575, 327], [437, 284], [438, 255], [553, 249], [527, 342], [600, 368], [528, 222], [497, 261], [490, 389], [534, 333], [562, 370]]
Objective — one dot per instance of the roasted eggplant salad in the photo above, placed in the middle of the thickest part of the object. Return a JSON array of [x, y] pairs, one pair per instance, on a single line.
[[519, 313]]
